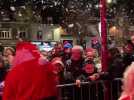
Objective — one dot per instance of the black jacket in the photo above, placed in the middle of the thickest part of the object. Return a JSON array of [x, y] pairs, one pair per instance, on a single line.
[[116, 68], [73, 69]]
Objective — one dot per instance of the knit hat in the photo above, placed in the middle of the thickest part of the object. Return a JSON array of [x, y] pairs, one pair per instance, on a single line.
[[68, 45]]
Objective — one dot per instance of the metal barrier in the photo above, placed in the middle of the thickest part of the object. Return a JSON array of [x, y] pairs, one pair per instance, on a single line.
[[91, 90], [88, 90]]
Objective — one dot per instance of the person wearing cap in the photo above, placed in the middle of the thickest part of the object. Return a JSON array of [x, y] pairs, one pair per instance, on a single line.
[[31, 78], [67, 52]]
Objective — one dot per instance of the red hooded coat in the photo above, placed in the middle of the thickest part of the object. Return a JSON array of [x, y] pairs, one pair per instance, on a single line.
[[31, 78]]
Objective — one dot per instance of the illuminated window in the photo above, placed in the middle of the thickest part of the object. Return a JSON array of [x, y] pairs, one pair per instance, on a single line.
[[5, 34]]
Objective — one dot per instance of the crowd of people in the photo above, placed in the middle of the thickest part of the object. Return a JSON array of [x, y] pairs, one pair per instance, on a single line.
[[73, 63]]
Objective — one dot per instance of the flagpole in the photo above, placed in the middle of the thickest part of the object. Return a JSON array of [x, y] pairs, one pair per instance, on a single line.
[[104, 51]]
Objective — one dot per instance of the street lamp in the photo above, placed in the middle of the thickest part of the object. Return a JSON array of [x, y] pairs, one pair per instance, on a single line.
[[109, 1]]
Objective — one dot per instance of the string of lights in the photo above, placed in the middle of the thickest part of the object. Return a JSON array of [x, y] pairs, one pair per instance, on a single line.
[[63, 11]]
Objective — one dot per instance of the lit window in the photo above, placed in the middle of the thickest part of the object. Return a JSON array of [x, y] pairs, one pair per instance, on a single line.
[[5, 34]]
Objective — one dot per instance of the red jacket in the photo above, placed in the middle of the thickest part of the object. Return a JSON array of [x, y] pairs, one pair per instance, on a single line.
[[31, 77], [30, 81]]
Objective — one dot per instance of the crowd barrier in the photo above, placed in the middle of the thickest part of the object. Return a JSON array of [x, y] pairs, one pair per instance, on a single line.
[[97, 90]]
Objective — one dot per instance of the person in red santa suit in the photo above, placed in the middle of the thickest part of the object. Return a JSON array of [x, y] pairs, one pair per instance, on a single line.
[[31, 78]]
